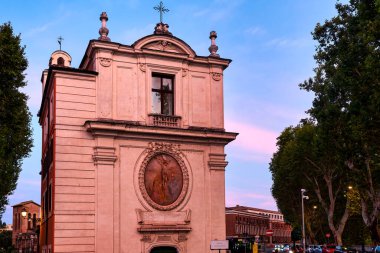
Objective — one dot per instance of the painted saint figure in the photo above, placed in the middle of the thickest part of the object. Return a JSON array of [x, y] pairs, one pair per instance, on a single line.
[[163, 179]]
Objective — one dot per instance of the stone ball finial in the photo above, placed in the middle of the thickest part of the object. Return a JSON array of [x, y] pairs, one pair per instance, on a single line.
[[103, 31], [103, 16], [162, 28], [213, 35], [213, 48]]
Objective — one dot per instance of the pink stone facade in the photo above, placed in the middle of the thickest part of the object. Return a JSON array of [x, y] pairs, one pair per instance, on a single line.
[[99, 128]]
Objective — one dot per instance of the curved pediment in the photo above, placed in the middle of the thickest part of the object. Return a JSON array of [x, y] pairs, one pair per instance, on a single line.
[[165, 44]]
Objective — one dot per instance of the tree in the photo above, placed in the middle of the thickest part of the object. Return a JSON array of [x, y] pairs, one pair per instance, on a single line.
[[15, 130], [305, 155], [6, 241], [347, 96]]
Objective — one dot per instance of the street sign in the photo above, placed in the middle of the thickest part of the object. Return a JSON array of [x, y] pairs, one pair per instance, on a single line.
[[328, 235], [269, 232], [219, 244]]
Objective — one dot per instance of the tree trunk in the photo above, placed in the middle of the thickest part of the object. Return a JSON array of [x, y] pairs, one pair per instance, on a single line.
[[338, 238], [374, 232]]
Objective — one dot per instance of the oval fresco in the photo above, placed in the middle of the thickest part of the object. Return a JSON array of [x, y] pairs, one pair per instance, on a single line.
[[163, 179]]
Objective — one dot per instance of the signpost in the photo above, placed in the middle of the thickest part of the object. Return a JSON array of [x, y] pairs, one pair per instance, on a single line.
[[219, 245], [269, 232]]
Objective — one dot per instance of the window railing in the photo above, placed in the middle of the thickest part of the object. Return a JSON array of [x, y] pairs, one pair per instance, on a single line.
[[165, 120]]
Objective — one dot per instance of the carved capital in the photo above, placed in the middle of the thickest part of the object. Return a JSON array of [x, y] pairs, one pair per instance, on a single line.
[[104, 156], [182, 237], [217, 161], [105, 62], [216, 76], [142, 67], [146, 238], [184, 72]]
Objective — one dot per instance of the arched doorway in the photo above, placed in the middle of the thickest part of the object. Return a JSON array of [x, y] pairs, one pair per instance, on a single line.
[[164, 250]]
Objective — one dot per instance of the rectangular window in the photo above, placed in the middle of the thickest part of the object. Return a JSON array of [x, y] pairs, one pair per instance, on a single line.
[[162, 94]]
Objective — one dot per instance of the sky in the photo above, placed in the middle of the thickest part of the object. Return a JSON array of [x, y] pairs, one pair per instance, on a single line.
[[269, 42]]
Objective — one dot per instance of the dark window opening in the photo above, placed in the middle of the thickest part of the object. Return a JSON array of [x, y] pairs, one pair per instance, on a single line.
[[60, 61], [30, 221], [162, 94], [164, 250], [34, 220]]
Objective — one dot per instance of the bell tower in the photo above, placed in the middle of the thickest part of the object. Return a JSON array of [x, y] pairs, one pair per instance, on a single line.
[[137, 147]]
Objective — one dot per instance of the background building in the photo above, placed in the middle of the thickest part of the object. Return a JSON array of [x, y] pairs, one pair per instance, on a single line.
[[26, 218], [244, 223], [133, 147]]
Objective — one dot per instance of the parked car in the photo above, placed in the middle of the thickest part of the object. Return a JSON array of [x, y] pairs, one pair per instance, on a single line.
[[330, 249], [317, 249], [338, 249], [286, 248], [350, 249], [309, 249], [277, 248]]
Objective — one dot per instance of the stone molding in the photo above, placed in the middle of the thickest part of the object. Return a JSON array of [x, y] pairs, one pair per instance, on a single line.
[[134, 130], [163, 218], [177, 240]]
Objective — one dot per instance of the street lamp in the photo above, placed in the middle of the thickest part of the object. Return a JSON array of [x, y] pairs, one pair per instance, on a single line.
[[23, 212], [303, 217]]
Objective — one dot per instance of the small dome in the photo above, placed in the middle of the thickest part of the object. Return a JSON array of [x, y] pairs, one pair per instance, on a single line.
[[60, 58]]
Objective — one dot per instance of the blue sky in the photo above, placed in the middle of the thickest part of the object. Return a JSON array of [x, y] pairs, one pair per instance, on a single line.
[[269, 42]]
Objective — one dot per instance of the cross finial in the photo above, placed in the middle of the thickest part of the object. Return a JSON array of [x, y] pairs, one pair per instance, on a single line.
[[60, 39], [161, 8]]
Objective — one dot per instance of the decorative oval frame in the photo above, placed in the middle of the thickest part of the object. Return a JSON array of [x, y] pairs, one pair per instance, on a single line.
[[171, 150]]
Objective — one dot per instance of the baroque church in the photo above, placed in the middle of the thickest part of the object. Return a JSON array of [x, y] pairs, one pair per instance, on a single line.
[[133, 147]]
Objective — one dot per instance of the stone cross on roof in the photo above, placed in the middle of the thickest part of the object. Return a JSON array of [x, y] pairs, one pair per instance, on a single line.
[[161, 8], [60, 42]]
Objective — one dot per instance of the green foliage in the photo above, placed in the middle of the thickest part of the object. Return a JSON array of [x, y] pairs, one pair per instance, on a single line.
[[340, 143], [15, 130], [347, 95], [296, 234], [6, 242], [305, 159], [356, 232]]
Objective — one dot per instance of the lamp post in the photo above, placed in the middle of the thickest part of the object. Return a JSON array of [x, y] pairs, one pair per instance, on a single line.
[[303, 217]]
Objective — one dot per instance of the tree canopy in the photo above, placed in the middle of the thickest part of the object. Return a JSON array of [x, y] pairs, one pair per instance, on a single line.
[[15, 129], [345, 113]]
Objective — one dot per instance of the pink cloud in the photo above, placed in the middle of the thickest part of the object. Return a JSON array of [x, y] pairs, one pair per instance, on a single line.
[[239, 197], [253, 139]]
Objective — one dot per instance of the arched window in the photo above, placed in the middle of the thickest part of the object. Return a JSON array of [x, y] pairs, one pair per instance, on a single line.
[[61, 61], [34, 220], [30, 221]]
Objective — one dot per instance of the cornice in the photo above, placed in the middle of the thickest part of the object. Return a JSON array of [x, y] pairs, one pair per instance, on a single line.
[[136, 49], [120, 129]]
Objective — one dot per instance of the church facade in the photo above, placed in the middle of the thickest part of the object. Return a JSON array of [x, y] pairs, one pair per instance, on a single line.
[[133, 153]]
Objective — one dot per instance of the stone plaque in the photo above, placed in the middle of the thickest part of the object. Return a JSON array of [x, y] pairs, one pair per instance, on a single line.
[[163, 179]]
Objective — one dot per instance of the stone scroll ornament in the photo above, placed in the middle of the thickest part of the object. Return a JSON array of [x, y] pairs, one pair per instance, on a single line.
[[105, 62], [163, 176]]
